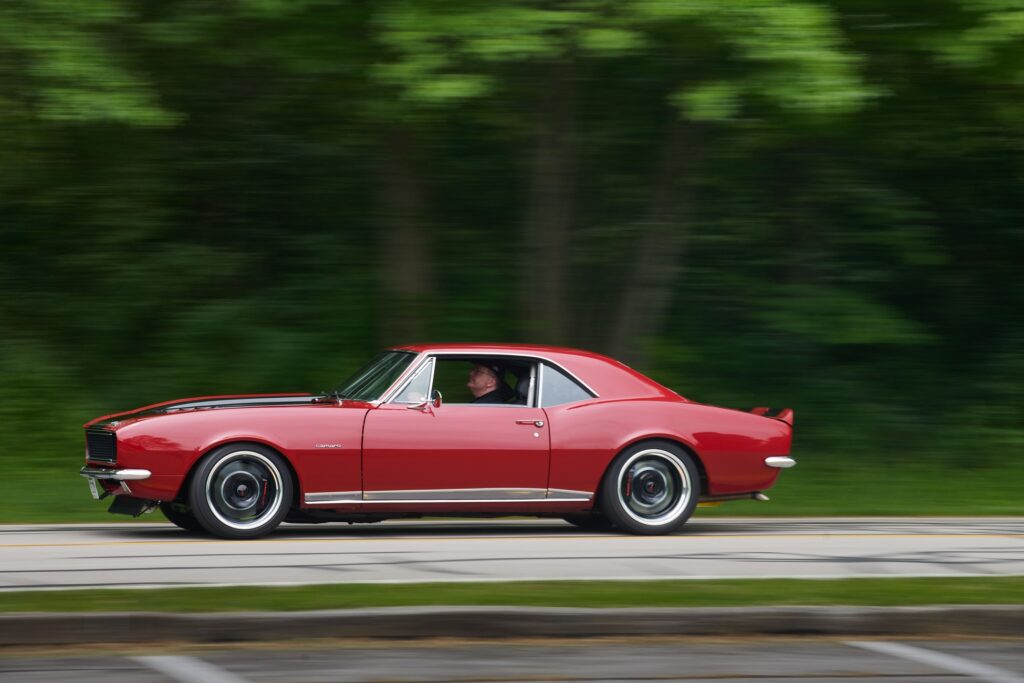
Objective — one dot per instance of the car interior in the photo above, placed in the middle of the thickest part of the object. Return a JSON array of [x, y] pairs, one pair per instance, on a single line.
[[451, 373]]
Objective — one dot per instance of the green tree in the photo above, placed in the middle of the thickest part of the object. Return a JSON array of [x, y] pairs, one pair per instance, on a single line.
[[533, 57]]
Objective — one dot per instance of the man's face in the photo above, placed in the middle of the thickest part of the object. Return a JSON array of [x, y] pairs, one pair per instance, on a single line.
[[481, 381]]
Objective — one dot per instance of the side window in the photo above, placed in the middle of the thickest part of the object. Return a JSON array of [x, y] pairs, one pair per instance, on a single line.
[[557, 388], [450, 379], [418, 388], [454, 377]]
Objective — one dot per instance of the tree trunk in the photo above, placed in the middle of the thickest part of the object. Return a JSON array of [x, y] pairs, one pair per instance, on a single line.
[[405, 266], [548, 217], [648, 285]]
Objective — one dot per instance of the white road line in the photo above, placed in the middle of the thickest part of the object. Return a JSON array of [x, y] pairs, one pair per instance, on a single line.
[[940, 660], [189, 670]]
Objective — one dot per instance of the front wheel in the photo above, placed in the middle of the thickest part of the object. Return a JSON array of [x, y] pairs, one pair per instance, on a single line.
[[651, 488], [241, 491]]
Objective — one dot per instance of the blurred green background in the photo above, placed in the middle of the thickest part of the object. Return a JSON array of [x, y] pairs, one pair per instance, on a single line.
[[788, 203]]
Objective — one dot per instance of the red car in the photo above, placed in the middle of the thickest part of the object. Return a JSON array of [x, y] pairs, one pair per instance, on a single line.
[[522, 430]]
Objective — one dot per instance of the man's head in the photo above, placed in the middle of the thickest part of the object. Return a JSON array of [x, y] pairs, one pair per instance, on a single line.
[[485, 377]]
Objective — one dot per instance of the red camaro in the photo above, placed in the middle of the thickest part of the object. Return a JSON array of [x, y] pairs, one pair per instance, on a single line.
[[522, 430]]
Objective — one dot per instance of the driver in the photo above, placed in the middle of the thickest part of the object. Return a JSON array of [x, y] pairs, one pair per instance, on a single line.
[[487, 383]]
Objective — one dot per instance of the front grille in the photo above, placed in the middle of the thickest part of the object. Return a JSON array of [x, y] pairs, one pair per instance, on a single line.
[[101, 445]]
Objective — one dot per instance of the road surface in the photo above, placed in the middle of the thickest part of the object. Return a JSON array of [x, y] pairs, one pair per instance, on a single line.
[[663, 659], [149, 555]]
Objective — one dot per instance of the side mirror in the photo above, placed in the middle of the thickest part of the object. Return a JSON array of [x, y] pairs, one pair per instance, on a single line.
[[428, 406]]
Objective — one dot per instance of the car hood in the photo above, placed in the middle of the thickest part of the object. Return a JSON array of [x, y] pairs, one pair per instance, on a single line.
[[205, 403]]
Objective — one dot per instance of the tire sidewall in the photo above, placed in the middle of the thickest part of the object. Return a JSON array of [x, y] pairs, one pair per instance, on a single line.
[[613, 507], [209, 520], [183, 518]]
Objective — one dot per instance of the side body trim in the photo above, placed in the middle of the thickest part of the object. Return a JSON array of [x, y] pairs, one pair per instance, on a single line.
[[334, 497], [568, 494], [522, 495], [456, 494]]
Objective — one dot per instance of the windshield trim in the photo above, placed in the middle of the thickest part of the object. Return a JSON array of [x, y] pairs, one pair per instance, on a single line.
[[412, 363]]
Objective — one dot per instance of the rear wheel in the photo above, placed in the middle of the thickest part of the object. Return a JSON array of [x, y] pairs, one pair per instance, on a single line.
[[651, 488], [181, 515], [241, 491]]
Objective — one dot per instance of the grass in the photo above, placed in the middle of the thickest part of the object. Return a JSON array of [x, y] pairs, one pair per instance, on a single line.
[[686, 593]]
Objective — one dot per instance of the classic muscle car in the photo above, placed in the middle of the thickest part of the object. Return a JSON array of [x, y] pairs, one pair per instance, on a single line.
[[564, 433]]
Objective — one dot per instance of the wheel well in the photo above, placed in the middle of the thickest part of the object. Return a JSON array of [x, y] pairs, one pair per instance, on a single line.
[[187, 481], [702, 472]]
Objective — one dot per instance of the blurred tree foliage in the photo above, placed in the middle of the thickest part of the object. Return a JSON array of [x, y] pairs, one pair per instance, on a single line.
[[795, 202]]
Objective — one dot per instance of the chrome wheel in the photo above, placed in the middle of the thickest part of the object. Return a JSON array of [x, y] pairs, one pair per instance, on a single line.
[[651, 488], [244, 490]]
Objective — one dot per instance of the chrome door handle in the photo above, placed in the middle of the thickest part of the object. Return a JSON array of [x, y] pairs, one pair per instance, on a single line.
[[535, 423]]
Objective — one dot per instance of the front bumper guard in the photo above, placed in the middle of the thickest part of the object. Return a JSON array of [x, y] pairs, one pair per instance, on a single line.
[[780, 461]]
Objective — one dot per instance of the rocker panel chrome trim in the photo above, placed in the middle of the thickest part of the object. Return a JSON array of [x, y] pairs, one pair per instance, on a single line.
[[474, 500], [570, 494], [436, 496], [333, 497], [497, 494]]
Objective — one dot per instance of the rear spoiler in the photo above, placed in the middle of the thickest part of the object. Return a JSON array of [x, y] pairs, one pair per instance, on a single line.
[[781, 414]]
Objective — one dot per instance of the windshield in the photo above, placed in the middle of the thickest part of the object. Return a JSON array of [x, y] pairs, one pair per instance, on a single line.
[[369, 382]]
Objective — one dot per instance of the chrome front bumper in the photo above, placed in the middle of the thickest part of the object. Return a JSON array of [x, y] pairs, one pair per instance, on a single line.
[[94, 474], [119, 475]]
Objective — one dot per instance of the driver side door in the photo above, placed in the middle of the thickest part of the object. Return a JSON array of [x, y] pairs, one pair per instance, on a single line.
[[416, 451]]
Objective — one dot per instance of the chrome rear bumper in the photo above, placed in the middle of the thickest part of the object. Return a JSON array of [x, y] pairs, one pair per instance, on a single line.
[[780, 461]]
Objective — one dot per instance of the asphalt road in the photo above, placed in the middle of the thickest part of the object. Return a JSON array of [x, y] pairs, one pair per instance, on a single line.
[[606, 660], [470, 550]]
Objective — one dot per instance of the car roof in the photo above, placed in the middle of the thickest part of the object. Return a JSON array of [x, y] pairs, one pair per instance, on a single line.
[[609, 378], [483, 347]]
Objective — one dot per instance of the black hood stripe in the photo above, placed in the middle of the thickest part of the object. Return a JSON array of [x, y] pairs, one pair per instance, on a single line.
[[250, 401]]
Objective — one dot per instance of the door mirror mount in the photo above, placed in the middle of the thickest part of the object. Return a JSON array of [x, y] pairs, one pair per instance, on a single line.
[[430, 405]]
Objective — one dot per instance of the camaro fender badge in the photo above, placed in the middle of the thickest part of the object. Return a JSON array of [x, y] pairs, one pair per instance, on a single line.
[[327, 445]]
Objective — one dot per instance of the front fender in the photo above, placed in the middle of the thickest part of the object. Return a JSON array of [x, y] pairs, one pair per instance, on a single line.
[[322, 442]]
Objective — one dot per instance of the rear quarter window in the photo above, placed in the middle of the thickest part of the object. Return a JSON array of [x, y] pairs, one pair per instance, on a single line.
[[557, 388]]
